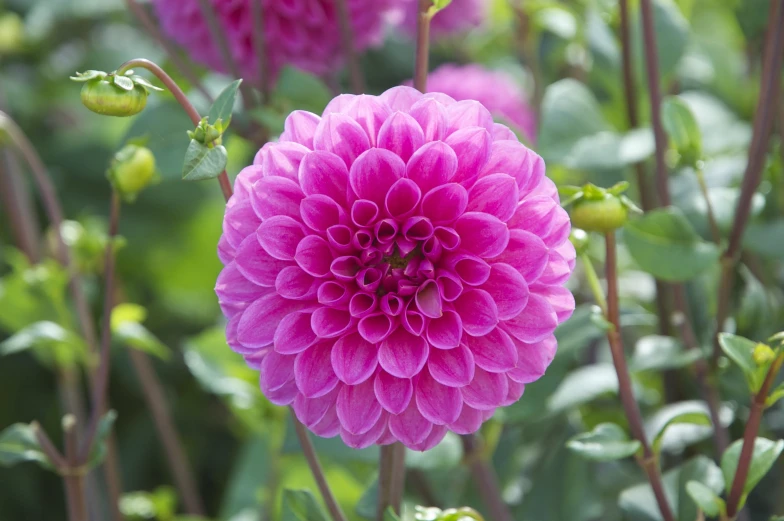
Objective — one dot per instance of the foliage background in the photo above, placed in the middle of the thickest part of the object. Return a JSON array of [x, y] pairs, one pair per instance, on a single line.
[[242, 448]]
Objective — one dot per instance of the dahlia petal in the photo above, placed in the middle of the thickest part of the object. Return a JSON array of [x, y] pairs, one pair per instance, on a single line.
[[300, 127], [284, 395], [313, 370], [437, 434], [340, 239], [387, 438], [402, 135], [338, 104], [410, 427], [512, 158], [477, 311], [319, 212], [431, 117], [557, 270], [525, 252], [560, 298], [260, 319], [412, 320], [431, 249], [468, 113], [447, 237], [282, 159], [535, 215], [331, 322], [438, 403], [354, 359], [274, 196], [232, 287], [508, 288], [545, 187], [482, 234], [469, 421], [494, 352], [535, 323], [402, 199], [559, 233], [346, 267], [514, 393], [533, 359], [310, 411], [279, 236], [403, 354], [445, 203], [471, 269], [361, 441], [239, 222], [226, 252], [324, 173], [295, 284], [333, 294], [400, 97], [472, 148], [376, 327], [502, 132], [329, 425], [373, 174], [357, 408], [432, 165], [445, 332], [443, 99], [364, 212], [393, 393], [566, 249], [341, 135], [449, 286], [452, 367], [428, 299], [370, 112], [294, 334], [486, 391], [362, 304], [496, 195], [276, 371], [391, 305], [314, 256]]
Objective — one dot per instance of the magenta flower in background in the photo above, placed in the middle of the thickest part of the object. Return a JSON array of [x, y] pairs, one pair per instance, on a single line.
[[457, 17], [394, 267], [496, 90], [302, 33]]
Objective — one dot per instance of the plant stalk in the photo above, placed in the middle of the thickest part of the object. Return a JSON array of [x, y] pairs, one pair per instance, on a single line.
[[422, 45], [74, 477], [349, 49], [16, 200], [714, 226], [260, 48], [486, 480]]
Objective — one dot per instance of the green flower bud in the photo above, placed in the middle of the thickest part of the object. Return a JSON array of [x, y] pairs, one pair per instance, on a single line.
[[132, 170], [11, 33], [602, 215], [763, 354], [114, 94]]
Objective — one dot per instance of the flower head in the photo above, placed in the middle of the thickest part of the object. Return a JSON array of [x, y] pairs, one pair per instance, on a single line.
[[394, 267], [457, 17], [302, 33], [494, 89]]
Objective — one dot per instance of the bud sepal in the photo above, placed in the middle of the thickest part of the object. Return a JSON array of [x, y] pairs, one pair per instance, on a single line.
[[596, 209], [113, 94]]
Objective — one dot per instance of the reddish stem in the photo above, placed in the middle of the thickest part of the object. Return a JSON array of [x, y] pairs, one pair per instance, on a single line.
[[486, 480], [422, 45], [349, 50]]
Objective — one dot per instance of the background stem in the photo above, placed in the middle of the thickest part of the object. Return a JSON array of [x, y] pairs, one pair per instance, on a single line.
[[485, 479], [18, 207], [422, 45], [349, 50]]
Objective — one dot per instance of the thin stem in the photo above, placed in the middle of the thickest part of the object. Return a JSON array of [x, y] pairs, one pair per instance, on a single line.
[[593, 282], [715, 233], [422, 45], [398, 477], [385, 464], [101, 383], [654, 93], [216, 33], [749, 437], [763, 122], [260, 47], [315, 469], [74, 478], [57, 459], [16, 200], [170, 50], [486, 480], [167, 432], [184, 102], [528, 52], [349, 50], [630, 406]]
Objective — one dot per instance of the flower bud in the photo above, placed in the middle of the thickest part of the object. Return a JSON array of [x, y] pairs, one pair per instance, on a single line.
[[763, 354], [107, 99], [600, 215], [132, 170], [11, 33]]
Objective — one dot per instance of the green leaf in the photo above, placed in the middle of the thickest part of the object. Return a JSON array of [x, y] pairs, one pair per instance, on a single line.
[[665, 245], [674, 430], [741, 351], [39, 334], [765, 454], [639, 503], [137, 336], [706, 499], [583, 385], [18, 444], [438, 5], [389, 515], [299, 90], [606, 442], [682, 128], [368, 503], [657, 352], [251, 470], [223, 106], [99, 446], [775, 395], [159, 504], [203, 162], [164, 127], [304, 505], [123, 82], [447, 454]]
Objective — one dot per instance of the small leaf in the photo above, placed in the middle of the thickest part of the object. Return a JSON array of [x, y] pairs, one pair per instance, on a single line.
[[684, 417], [682, 128], [765, 454], [19, 444], [437, 6], [141, 80], [389, 515], [741, 351], [99, 447], [136, 336], [775, 395], [674, 436], [583, 385], [656, 352], [706, 499], [223, 106], [123, 82], [303, 505], [368, 502], [88, 75], [203, 162], [606, 442], [665, 245]]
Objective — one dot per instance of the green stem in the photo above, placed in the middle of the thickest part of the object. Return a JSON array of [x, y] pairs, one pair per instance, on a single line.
[[711, 215], [593, 282]]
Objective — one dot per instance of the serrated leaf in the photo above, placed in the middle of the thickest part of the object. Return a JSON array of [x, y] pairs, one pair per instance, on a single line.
[[664, 244], [203, 162], [99, 446], [223, 106], [765, 454], [741, 351], [123, 82], [304, 505], [705, 498], [18, 444], [606, 442]]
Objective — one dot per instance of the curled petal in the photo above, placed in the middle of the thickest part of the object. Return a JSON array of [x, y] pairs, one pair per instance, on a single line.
[[345, 268], [330, 322], [376, 327], [319, 212], [449, 286], [334, 294], [471, 269], [428, 299], [314, 256], [403, 198], [412, 320], [448, 237], [341, 239], [392, 305]]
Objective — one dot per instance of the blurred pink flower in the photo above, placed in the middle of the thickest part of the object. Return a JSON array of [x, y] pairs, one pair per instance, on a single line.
[[302, 33], [496, 90], [459, 16], [394, 267]]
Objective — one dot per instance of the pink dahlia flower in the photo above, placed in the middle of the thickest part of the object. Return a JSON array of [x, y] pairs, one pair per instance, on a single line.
[[302, 33], [494, 89], [459, 16], [394, 267]]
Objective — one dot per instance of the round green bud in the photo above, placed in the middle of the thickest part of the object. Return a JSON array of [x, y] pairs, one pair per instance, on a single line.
[[11, 33], [600, 215], [763, 354], [103, 97], [132, 170]]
